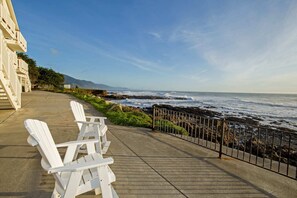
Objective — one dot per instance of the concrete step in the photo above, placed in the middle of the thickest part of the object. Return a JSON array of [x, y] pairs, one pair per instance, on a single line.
[[6, 107], [4, 97], [4, 101]]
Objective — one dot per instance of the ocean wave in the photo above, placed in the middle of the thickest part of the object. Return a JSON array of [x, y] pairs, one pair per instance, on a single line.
[[268, 104], [168, 95], [137, 93]]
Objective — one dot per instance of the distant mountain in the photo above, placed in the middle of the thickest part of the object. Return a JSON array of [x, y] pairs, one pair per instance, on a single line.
[[88, 84]]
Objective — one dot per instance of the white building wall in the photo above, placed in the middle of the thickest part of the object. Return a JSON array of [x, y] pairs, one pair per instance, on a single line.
[[12, 76]]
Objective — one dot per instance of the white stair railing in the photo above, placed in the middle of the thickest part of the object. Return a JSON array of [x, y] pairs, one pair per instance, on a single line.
[[10, 80], [15, 85]]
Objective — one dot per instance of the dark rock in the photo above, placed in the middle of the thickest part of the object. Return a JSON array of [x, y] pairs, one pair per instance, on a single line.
[[245, 120], [257, 118], [192, 110], [99, 92], [209, 107], [275, 123]]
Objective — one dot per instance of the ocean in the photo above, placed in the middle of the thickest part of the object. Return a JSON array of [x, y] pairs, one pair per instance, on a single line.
[[273, 109]]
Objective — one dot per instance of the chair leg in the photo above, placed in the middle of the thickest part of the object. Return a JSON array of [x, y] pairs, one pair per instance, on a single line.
[[104, 139], [79, 138], [97, 191], [55, 194], [98, 145], [104, 181], [73, 184]]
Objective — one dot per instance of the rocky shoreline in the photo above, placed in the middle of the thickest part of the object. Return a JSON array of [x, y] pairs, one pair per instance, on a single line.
[[213, 114], [206, 111]]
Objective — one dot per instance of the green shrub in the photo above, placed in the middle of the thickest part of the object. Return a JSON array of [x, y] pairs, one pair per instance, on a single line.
[[171, 126], [128, 117]]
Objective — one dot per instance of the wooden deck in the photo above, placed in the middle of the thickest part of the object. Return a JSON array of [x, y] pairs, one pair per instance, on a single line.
[[147, 164]]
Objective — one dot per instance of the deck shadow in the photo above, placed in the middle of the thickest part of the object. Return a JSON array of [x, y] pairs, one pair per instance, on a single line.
[[191, 176]]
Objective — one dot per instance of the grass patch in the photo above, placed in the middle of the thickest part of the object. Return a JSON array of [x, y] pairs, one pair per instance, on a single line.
[[172, 127]]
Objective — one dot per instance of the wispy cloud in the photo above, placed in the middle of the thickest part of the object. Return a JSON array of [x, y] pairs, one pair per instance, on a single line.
[[104, 49], [246, 46], [54, 51], [115, 53], [140, 63], [155, 35]]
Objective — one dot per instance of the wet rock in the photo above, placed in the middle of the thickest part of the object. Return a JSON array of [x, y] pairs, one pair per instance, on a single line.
[[276, 123], [256, 118], [245, 120], [192, 110], [210, 107]]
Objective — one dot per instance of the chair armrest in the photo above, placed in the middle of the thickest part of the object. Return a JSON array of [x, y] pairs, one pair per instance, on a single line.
[[86, 122], [76, 143], [82, 166], [96, 117], [72, 147]]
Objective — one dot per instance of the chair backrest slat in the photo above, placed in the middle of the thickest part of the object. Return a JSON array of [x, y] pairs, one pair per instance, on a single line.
[[39, 131], [78, 112]]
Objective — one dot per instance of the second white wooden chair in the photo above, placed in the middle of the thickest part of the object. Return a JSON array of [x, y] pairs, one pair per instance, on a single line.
[[90, 126]]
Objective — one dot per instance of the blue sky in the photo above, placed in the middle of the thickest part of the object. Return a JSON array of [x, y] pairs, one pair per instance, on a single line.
[[226, 46]]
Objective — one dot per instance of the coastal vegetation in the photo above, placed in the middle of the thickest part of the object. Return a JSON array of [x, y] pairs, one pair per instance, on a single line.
[[117, 114], [173, 127], [42, 77], [49, 78]]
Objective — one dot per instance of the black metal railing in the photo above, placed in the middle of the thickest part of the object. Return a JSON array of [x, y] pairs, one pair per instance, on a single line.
[[269, 148]]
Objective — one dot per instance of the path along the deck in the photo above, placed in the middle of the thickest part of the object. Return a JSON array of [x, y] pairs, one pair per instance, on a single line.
[[147, 164]]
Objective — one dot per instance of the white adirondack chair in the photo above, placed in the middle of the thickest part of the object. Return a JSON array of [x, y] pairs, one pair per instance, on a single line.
[[90, 128], [76, 177]]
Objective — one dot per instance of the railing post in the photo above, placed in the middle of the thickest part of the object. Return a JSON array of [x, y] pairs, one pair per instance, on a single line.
[[222, 138], [154, 118]]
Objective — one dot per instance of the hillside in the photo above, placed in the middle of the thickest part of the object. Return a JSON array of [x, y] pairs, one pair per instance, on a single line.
[[88, 84]]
